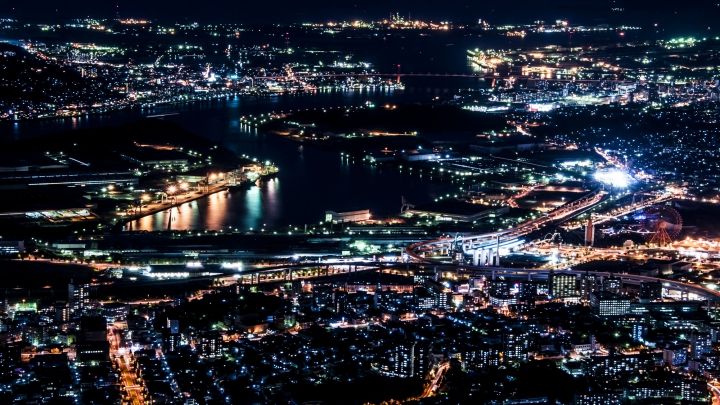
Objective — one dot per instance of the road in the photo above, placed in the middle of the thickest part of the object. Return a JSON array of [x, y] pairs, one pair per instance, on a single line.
[[420, 251], [715, 391], [622, 211], [436, 378], [133, 392]]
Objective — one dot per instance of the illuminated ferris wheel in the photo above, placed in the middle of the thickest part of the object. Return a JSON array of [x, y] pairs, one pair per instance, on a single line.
[[660, 224]]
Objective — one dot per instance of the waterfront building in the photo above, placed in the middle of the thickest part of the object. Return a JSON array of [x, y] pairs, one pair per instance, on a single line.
[[349, 216]]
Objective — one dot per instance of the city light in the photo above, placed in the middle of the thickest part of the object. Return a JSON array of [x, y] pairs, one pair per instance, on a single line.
[[532, 220], [232, 266], [614, 178]]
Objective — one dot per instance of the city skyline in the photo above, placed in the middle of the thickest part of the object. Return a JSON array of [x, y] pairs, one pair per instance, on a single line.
[[464, 11], [406, 203]]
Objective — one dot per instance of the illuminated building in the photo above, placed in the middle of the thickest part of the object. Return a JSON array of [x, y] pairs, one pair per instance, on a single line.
[[480, 357], [609, 304], [516, 344], [10, 247], [431, 295], [638, 332], [500, 294], [210, 344], [587, 284], [78, 297], [650, 291], [93, 346], [605, 398], [350, 216], [700, 344], [562, 285], [589, 233], [612, 285], [617, 365], [407, 360]]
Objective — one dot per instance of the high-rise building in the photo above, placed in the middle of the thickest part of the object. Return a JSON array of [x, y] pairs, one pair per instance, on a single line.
[[639, 331], [210, 344], [650, 291], [516, 343], [675, 355], [612, 285], [483, 357], [605, 303], [587, 284], [93, 345], [407, 360], [562, 285], [62, 312], [700, 343], [432, 295], [589, 232], [500, 293], [173, 326], [172, 342], [78, 297]]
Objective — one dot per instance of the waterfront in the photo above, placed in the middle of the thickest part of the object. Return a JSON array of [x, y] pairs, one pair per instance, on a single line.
[[167, 241], [292, 197], [305, 172]]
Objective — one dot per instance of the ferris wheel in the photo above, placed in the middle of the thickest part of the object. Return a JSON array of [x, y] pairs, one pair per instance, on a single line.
[[660, 224]]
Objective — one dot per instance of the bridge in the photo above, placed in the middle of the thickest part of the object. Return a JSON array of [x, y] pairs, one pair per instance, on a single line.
[[629, 209], [485, 249]]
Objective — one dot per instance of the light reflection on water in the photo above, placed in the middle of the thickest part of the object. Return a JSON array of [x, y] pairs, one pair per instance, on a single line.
[[245, 209], [311, 180], [253, 205], [217, 209]]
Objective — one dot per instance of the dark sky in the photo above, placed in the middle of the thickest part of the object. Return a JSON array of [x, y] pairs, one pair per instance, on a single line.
[[322, 10]]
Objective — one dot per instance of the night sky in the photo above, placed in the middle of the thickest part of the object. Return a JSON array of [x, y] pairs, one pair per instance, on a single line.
[[695, 11]]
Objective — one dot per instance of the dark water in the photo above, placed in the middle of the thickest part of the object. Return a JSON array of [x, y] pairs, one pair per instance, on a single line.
[[311, 180]]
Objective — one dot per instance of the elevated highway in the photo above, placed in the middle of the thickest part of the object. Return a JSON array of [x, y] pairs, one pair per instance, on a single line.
[[298, 271], [487, 248]]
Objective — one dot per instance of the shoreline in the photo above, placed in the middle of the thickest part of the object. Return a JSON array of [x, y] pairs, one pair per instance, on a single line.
[[140, 107], [152, 209]]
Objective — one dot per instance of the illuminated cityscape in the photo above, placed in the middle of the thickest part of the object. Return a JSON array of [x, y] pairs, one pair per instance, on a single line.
[[367, 203]]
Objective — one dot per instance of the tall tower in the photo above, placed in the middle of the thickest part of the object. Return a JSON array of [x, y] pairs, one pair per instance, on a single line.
[[589, 232]]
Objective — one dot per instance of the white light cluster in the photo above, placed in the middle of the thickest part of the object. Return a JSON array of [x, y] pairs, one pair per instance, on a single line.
[[615, 178]]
